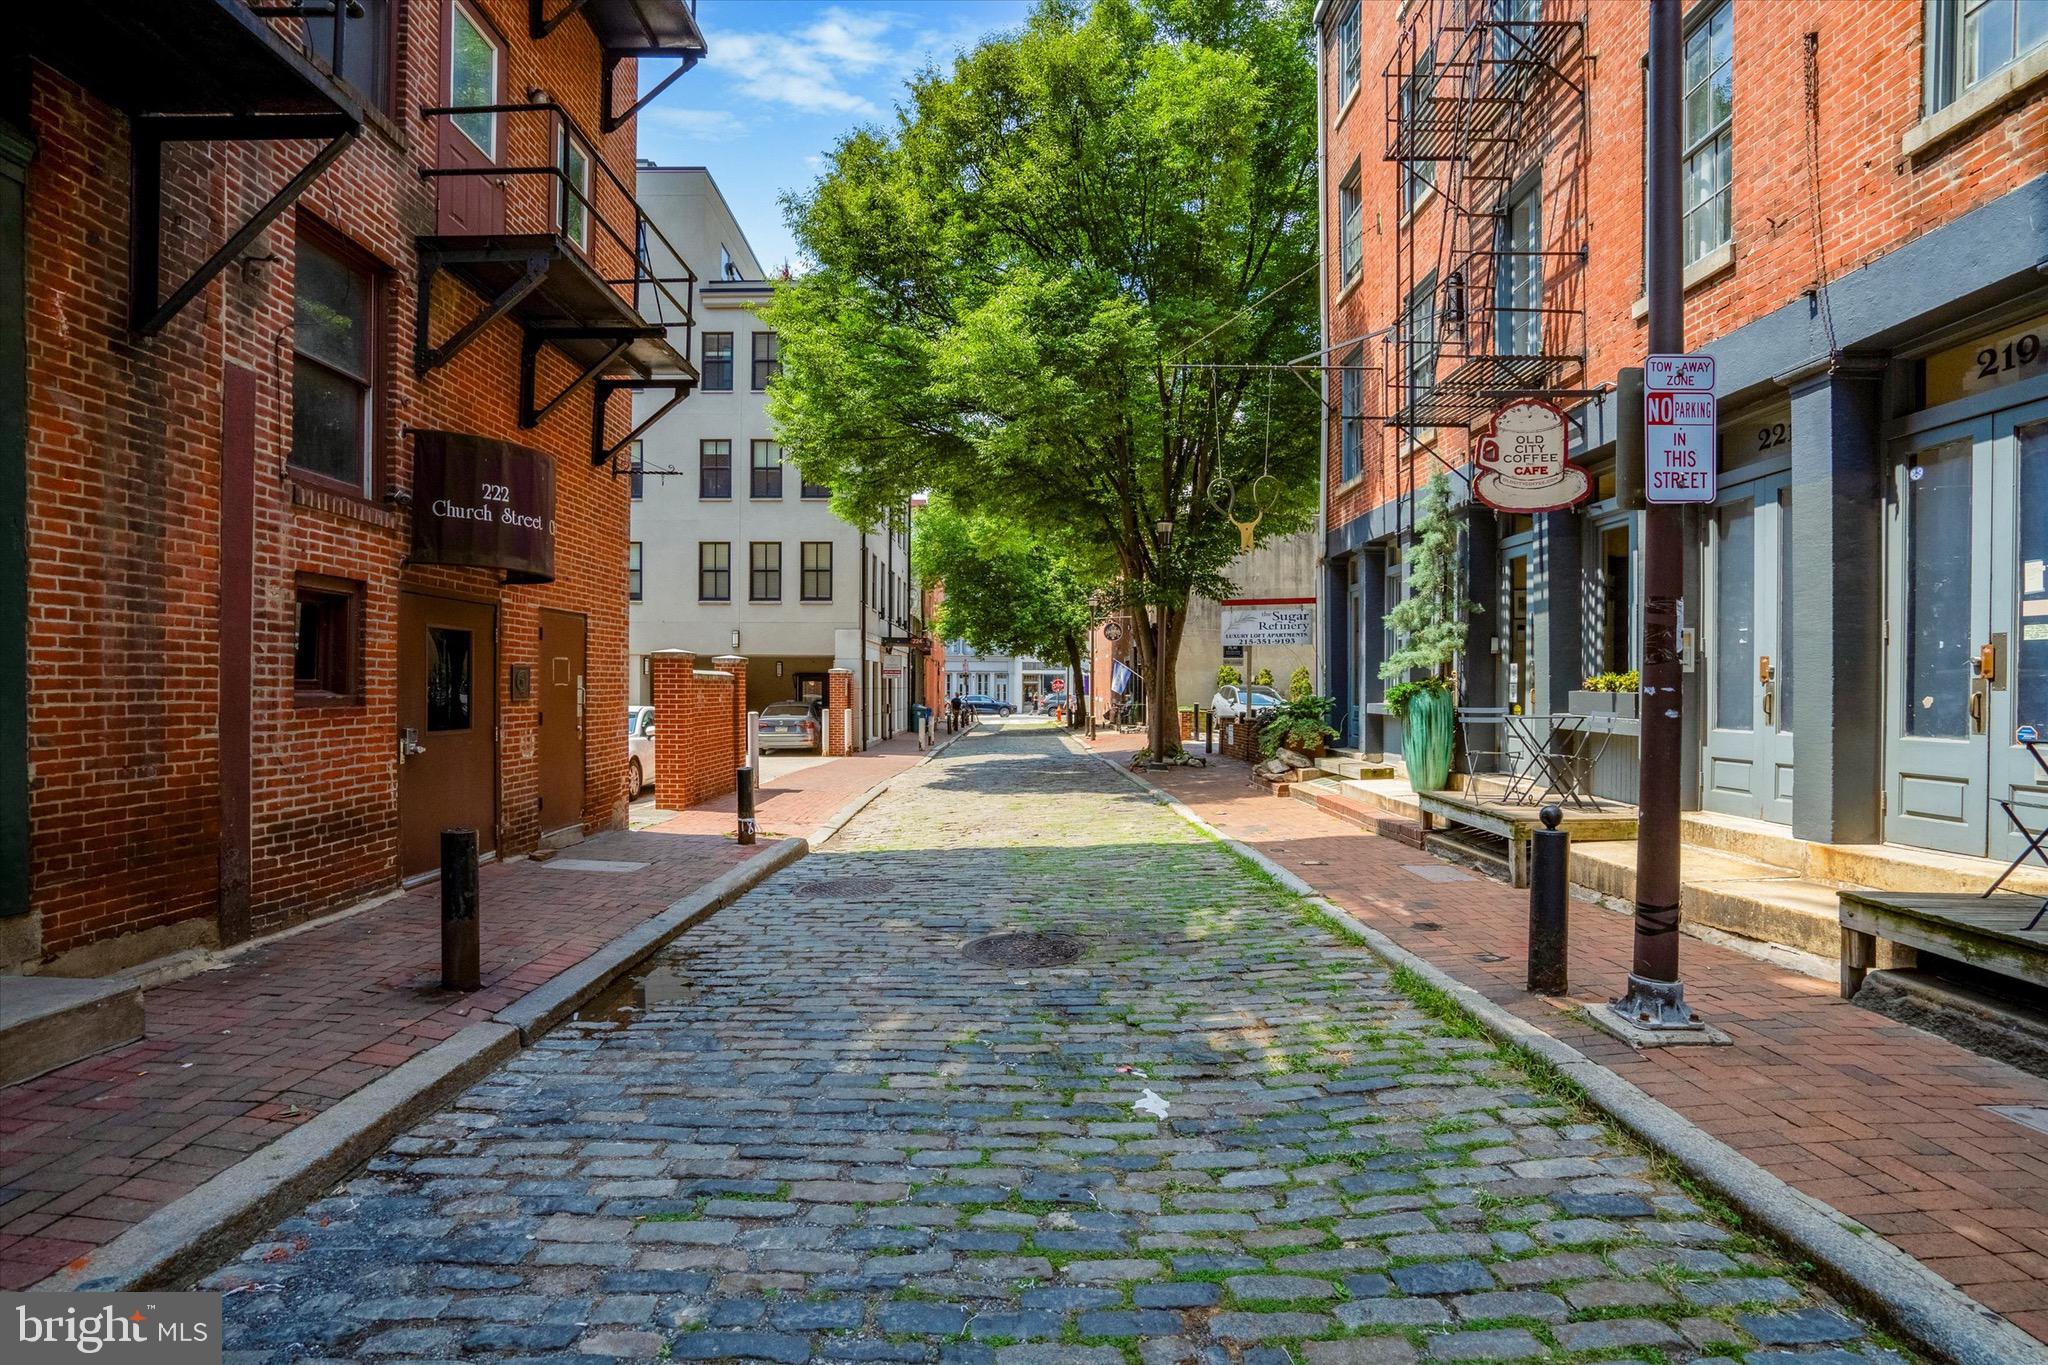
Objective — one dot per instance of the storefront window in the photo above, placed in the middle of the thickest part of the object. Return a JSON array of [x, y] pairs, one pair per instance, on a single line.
[[1735, 616], [2030, 668], [1521, 678], [448, 679], [1614, 614], [1938, 593]]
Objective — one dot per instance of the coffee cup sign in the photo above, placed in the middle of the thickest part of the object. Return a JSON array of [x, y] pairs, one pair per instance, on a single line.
[[1522, 461]]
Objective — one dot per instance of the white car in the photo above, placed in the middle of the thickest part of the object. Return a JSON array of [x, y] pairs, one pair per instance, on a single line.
[[639, 750], [1233, 700]]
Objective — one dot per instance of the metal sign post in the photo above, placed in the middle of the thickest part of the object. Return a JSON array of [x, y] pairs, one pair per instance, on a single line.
[[1655, 998]]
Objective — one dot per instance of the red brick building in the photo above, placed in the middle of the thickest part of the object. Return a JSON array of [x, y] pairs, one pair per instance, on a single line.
[[327, 550], [1866, 217]]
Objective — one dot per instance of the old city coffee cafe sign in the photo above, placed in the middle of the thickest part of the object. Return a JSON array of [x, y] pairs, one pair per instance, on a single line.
[[483, 504], [1521, 460]]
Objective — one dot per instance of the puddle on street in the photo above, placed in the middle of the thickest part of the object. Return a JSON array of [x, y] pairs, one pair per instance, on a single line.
[[626, 1000]]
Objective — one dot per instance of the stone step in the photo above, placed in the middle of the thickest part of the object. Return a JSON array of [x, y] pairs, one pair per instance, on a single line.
[[1334, 797], [1879, 867], [52, 1021], [1354, 769]]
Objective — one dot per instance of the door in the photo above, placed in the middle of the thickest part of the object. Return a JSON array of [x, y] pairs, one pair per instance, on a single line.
[[473, 75], [1967, 630], [1747, 765], [563, 639], [448, 726], [810, 687]]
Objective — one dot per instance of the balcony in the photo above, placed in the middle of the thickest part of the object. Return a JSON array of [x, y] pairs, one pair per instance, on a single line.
[[192, 71], [545, 233], [627, 30]]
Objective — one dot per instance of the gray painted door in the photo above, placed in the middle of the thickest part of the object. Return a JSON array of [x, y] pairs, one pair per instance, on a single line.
[[1939, 550], [1746, 768]]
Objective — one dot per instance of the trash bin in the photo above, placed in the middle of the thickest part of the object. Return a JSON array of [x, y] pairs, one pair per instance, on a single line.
[[921, 718]]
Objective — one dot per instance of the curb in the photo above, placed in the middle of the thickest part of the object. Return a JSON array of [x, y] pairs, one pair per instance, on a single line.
[[555, 999], [1898, 1291], [202, 1229]]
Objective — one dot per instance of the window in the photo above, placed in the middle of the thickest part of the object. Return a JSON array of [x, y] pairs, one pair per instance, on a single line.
[[473, 78], [1709, 137], [764, 571], [331, 360], [714, 470], [1422, 345], [1514, 33], [813, 492], [449, 680], [1350, 226], [1418, 101], [714, 571], [1518, 284], [637, 477], [365, 38], [575, 215], [1970, 41], [817, 571], [727, 269], [1351, 417], [718, 361], [1348, 54], [634, 581], [767, 358], [324, 663], [767, 470]]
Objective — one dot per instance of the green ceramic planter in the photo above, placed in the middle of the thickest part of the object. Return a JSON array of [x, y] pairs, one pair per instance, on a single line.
[[1426, 734]]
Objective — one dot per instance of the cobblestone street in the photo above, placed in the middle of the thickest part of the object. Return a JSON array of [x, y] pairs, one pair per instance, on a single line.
[[822, 1131]]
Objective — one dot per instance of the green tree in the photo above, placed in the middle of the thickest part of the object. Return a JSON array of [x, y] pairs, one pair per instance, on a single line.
[[1007, 592], [1433, 618], [1045, 291]]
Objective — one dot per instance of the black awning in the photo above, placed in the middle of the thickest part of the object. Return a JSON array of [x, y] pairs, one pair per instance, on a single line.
[[180, 57], [485, 504], [645, 28]]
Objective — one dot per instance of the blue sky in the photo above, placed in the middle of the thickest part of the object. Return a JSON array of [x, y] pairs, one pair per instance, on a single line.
[[786, 78]]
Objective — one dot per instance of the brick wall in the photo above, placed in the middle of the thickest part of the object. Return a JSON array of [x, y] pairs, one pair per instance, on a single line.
[[1872, 197], [700, 725], [124, 532]]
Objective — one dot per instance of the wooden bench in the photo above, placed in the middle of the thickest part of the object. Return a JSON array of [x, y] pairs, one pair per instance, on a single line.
[[1517, 823], [1985, 933]]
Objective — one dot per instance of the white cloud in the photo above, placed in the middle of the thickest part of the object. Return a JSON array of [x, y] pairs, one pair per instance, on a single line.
[[841, 62], [702, 125]]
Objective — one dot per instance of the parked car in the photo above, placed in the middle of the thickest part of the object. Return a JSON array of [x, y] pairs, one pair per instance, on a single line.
[[1235, 700], [981, 704], [788, 725], [639, 750], [1054, 701]]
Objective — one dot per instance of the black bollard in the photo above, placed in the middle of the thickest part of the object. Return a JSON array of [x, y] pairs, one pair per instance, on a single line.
[[744, 786], [1549, 905], [1209, 741], [461, 965]]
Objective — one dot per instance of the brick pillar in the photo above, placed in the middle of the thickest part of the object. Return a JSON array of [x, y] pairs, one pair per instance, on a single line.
[[675, 674], [838, 700], [736, 664]]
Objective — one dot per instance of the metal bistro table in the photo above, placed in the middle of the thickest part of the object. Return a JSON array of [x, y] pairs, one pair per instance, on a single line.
[[1543, 753]]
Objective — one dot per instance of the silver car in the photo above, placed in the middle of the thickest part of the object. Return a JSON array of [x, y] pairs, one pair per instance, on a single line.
[[788, 725]]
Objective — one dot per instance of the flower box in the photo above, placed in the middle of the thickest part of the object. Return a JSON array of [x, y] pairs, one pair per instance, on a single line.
[[1593, 703]]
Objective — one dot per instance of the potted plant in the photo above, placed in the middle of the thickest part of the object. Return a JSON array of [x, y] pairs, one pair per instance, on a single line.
[[1301, 724], [1432, 621], [1605, 694]]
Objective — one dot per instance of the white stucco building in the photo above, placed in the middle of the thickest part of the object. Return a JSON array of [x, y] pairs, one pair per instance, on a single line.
[[731, 551]]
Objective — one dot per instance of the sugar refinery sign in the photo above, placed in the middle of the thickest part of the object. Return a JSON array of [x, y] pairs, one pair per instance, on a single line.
[[1261, 621]]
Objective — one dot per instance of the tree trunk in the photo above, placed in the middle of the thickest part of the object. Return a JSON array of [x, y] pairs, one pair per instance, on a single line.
[[1162, 697]]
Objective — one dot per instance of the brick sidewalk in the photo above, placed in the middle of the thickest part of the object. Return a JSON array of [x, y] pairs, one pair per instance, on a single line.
[[1882, 1121], [237, 1056]]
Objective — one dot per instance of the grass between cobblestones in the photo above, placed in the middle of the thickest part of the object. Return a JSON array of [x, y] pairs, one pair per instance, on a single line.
[[840, 1140]]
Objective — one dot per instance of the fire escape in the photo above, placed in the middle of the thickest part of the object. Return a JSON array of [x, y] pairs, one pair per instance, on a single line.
[[1486, 113]]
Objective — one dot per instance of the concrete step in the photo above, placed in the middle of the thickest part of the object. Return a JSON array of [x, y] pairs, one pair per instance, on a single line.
[[1334, 797], [1879, 867], [52, 1021], [1354, 769]]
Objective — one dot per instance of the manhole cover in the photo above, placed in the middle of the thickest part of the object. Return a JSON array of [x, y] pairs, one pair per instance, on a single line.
[[1025, 950], [844, 886]]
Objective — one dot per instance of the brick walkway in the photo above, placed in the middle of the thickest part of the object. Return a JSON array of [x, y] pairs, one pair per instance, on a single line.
[[1219, 1136], [237, 1056], [1886, 1123]]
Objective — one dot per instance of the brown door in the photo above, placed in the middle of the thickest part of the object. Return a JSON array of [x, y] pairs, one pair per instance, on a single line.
[[472, 74], [447, 725], [562, 644]]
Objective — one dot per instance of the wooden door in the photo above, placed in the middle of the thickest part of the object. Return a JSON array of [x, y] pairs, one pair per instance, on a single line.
[[563, 644], [472, 74], [448, 725]]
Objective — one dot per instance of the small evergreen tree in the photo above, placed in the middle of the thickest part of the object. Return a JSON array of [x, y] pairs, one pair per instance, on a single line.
[[1433, 618]]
